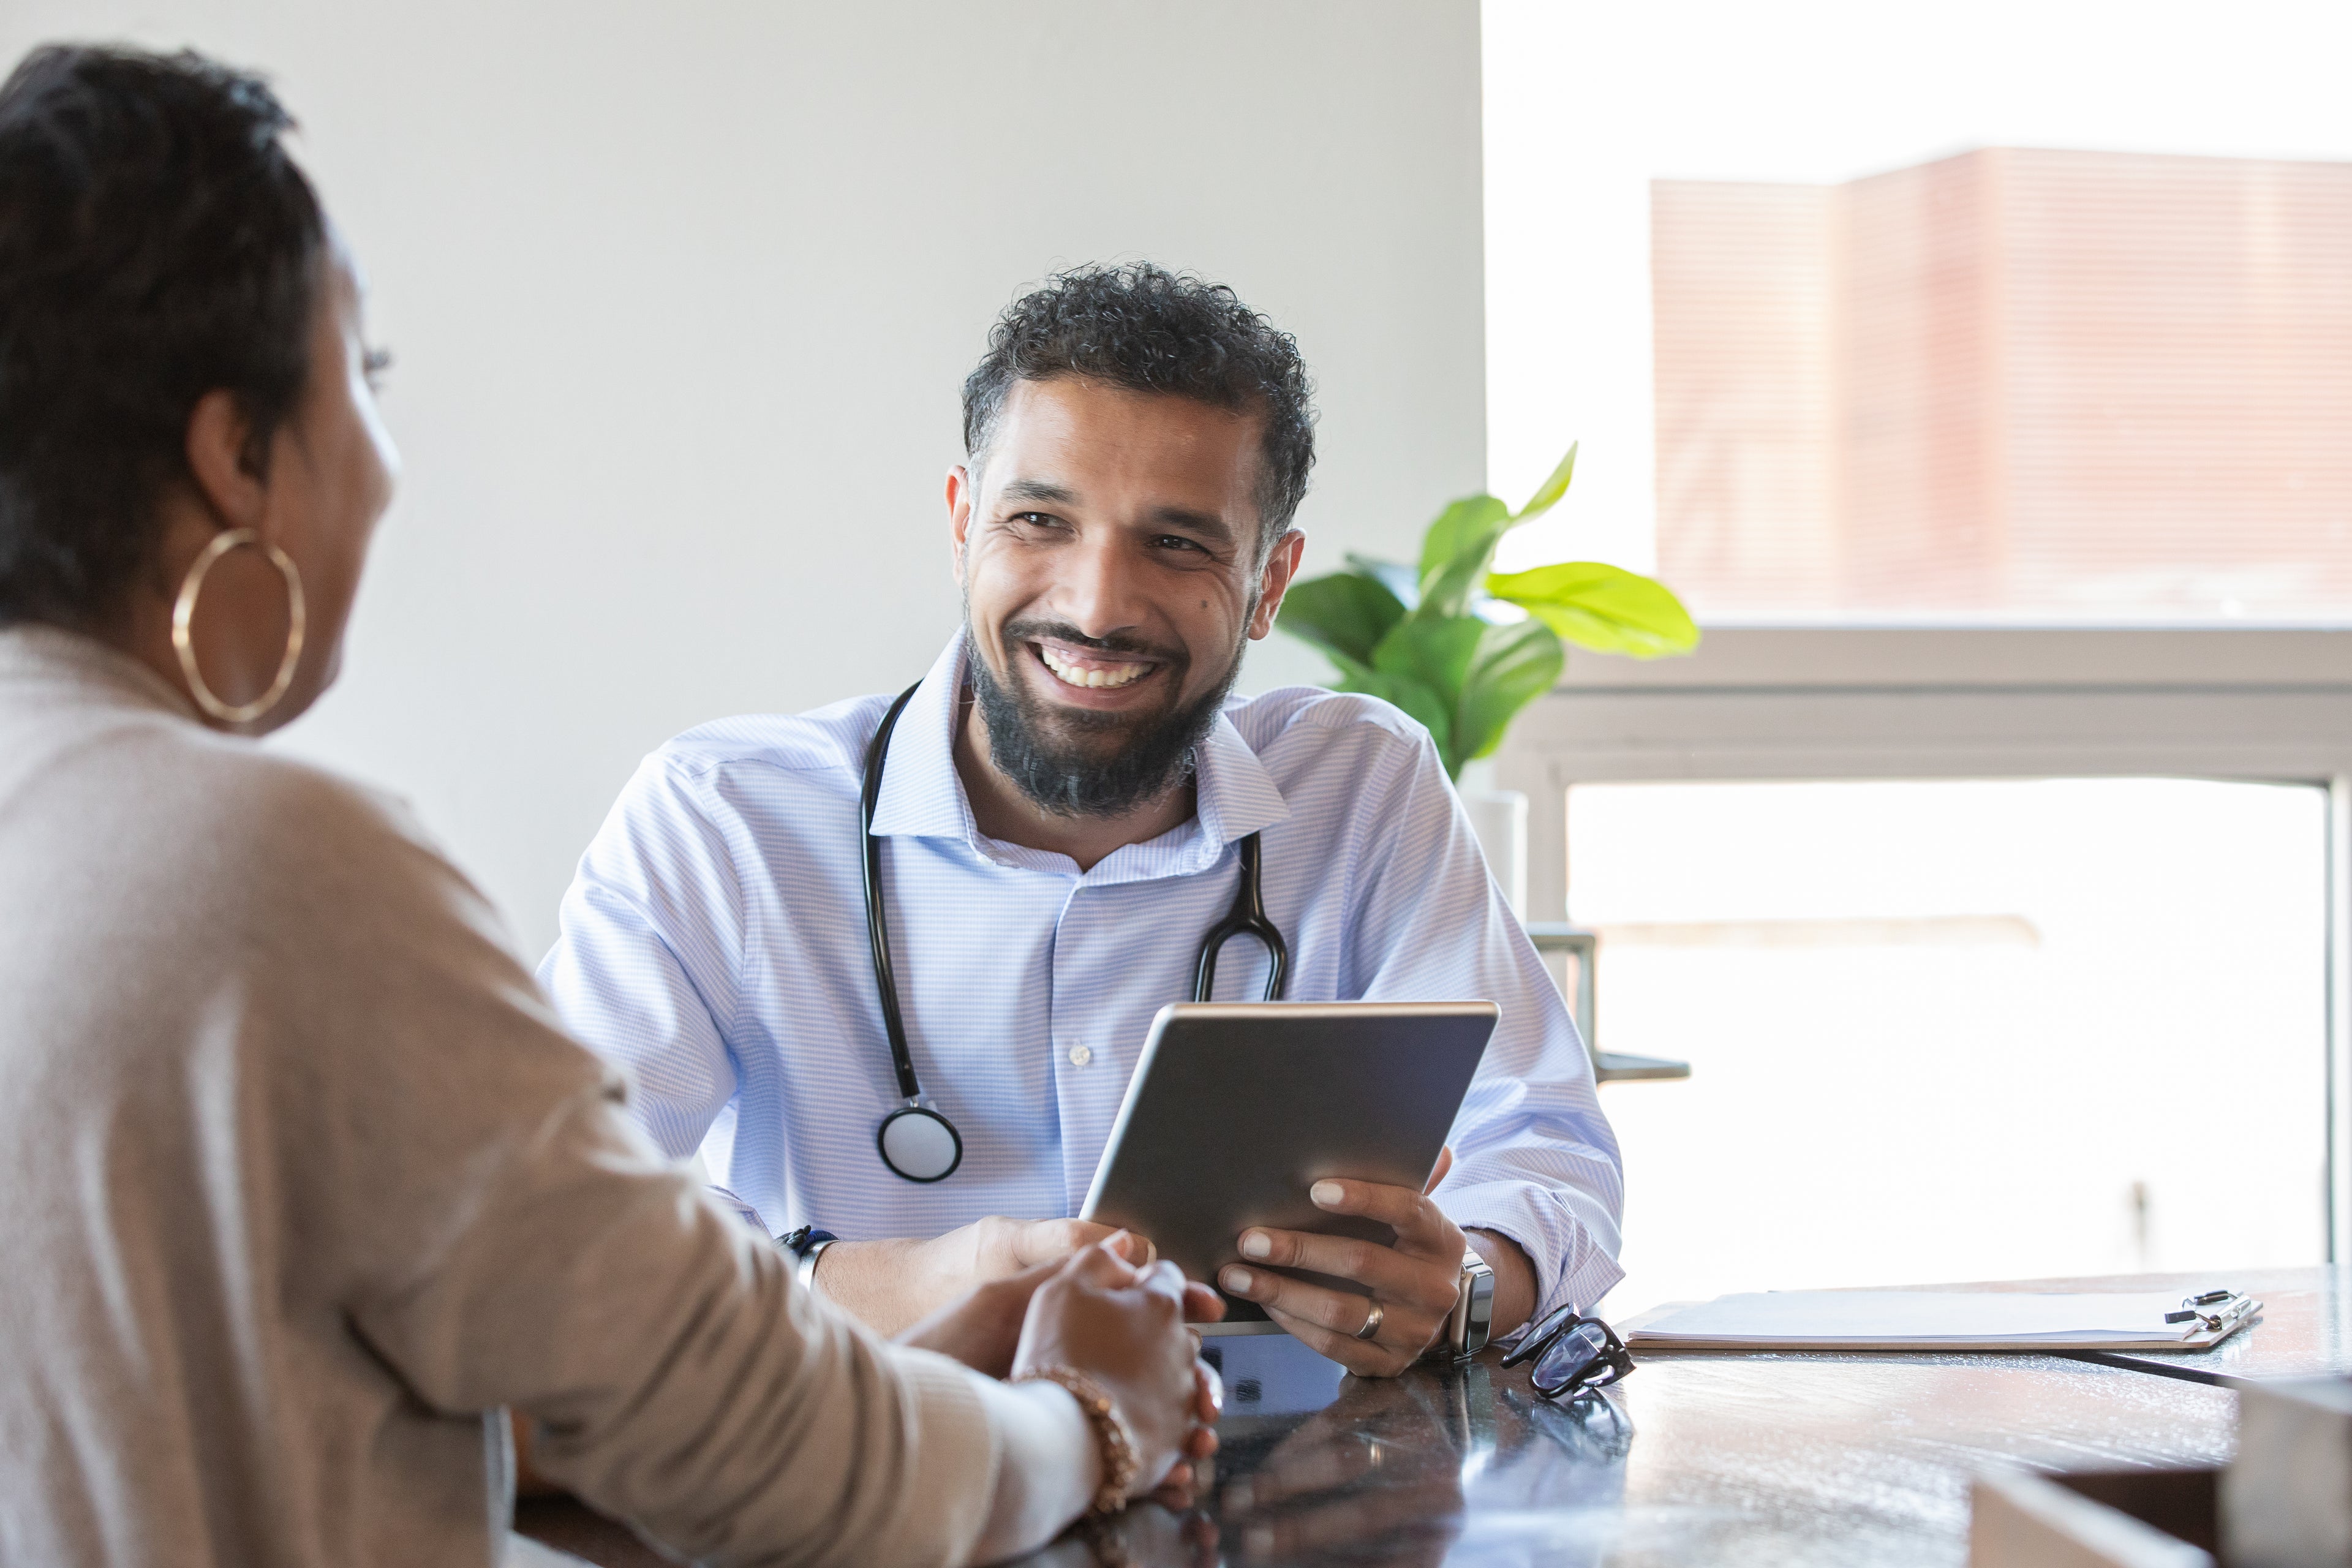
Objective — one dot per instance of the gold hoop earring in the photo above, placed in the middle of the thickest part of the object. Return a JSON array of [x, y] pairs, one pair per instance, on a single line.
[[183, 612]]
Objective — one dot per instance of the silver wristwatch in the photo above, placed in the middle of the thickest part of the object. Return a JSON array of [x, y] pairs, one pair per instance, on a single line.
[[805, 1269], [1473, 1317]]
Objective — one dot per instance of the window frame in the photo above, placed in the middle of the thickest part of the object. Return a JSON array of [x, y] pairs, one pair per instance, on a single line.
[[2243, 703]]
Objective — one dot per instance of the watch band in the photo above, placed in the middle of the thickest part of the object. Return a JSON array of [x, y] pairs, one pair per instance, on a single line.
[[1468, 1326], [805, 1271], [805, 1246]]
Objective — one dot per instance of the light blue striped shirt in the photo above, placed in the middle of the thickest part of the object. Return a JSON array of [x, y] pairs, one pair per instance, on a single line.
[[714, 944]]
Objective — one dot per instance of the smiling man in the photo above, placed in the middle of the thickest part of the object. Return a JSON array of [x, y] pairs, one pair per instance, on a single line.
[[1063, 807]]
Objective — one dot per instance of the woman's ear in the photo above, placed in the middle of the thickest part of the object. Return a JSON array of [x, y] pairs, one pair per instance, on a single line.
[[220, 456]]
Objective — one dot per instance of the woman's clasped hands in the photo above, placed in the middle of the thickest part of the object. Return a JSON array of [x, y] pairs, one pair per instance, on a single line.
[[1120, 1324]]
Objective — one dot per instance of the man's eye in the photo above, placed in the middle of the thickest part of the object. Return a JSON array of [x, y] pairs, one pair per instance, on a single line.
[[1176, 541]]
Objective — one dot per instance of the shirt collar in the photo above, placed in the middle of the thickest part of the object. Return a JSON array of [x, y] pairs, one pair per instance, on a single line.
[[922, 797]]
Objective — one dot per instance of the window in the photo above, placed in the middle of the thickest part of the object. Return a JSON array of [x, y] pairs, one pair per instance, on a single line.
[[1819, 830], [1978, 376], [1953, 1030], [2006, 313]]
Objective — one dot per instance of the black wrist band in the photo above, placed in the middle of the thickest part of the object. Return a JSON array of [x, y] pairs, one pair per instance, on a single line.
[[800, 1242]]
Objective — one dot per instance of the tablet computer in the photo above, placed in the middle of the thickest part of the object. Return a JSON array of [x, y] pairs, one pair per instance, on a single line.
[[1236, 1108]]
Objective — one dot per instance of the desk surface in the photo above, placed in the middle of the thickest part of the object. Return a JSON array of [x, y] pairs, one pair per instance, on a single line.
[[1750, 1459]]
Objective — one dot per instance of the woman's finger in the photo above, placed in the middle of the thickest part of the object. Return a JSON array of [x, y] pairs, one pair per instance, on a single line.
[[1211, 1393], [1103, 1263]]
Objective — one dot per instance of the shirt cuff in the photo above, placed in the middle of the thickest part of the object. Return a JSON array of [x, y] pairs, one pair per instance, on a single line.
[[740, 1210], [956, 1451], [1570, 1263], [1047, 1472]]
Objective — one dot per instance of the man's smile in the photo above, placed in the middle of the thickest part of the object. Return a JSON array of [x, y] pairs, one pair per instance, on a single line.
[[1091, 669]]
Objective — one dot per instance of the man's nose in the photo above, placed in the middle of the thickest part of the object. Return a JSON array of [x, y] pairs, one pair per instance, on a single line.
[[1099, 589]]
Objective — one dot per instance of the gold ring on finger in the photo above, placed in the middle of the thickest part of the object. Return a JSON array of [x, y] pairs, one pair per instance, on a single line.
[[1371, 1322]]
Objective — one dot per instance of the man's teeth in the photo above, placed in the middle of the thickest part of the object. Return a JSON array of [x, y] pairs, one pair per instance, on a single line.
[[1078, 675]]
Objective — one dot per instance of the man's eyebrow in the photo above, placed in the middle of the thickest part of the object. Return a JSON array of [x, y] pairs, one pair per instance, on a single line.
[[1039, 490]]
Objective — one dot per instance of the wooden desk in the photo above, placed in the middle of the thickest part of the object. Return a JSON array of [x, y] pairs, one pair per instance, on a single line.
[[1697, 1460], [1751, 1459]]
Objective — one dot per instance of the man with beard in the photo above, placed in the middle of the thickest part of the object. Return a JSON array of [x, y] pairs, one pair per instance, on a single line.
[[1065, 807]]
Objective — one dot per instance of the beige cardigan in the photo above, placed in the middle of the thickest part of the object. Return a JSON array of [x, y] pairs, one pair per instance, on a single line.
[[298, 1178]]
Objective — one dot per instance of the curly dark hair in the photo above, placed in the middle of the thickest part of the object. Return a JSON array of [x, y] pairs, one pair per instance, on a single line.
[[1150, 329], [157, 242]]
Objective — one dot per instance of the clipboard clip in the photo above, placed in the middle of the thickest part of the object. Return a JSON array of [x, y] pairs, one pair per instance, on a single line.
[[2231, 1308]]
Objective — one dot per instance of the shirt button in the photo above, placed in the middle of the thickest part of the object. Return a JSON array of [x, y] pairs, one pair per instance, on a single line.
[[1080, 1056]]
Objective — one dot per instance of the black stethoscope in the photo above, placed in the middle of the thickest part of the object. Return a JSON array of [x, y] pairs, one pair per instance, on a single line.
[[919, 1143]]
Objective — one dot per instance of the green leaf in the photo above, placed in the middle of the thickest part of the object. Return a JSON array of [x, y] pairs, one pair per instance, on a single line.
[[1436, 655], [1604, 608], [1426, 706], [1434, 651], [1547, 494], [1345, 613], [1456, 553], [1482, 673], [1512, 666], [1394, 576]]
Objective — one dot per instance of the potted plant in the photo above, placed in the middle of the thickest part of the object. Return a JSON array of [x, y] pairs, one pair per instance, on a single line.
[[1463, 648]]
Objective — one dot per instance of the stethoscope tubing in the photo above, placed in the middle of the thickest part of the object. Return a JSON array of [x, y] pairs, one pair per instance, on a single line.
[[877, 931], [1247, 918]]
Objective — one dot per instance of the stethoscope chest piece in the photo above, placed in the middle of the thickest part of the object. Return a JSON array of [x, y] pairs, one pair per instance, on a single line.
[[919, 1144]]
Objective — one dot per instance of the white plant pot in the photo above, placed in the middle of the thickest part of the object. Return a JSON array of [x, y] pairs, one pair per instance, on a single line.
[[1499, 818]]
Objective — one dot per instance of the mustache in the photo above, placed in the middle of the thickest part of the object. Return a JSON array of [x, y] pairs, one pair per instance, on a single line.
[[1063, 632]]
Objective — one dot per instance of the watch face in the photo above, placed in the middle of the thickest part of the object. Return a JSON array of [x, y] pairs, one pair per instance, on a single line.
[[1470, 1324], [1481, 1316], [1480, 1310]]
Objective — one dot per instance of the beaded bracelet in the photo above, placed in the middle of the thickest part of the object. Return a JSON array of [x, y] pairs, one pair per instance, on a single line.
[[1120, 1464]]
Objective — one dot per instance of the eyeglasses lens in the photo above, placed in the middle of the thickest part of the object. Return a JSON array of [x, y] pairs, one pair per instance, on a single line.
[[1577, 1359]]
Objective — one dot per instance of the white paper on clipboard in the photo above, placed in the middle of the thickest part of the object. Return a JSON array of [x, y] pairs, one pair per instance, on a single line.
[[1931, 1320]]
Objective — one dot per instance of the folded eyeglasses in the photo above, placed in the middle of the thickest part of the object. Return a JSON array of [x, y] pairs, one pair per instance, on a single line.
[[1574, 1355]]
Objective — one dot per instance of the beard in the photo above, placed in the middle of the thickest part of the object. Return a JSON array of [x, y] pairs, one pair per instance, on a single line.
[[1046, 752]]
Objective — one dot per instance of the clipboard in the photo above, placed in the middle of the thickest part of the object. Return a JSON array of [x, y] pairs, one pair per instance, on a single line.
[[1969, 1321]]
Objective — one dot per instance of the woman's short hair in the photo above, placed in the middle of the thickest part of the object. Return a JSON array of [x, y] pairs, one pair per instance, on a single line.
[[156, 244]]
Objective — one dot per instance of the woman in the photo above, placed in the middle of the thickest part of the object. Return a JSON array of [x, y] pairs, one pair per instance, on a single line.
[[302, 1183]]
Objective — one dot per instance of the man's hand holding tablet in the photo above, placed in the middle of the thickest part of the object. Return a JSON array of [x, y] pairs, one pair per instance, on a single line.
[[1413, 1283], [1289, 1153]]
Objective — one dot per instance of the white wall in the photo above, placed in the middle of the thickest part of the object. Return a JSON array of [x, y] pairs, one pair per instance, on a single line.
[[681, 297]]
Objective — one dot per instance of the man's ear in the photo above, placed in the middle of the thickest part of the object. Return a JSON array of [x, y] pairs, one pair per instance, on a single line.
[[220, 453], [1281, 566], [960, 489]]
